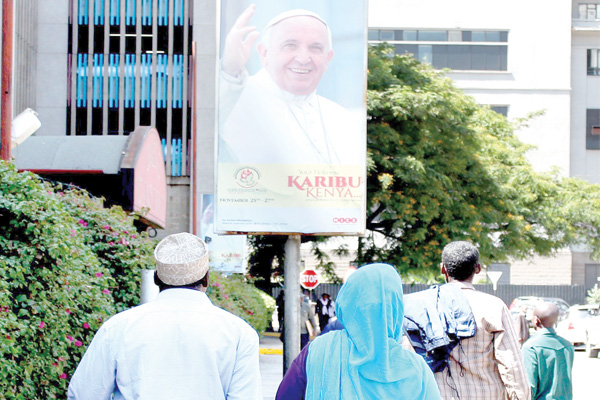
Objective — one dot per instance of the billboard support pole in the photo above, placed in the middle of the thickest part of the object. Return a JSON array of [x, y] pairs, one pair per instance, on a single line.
[[291, 323]]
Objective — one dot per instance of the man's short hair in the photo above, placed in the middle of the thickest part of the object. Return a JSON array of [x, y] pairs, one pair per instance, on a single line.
[[194, 285], [460, 259]]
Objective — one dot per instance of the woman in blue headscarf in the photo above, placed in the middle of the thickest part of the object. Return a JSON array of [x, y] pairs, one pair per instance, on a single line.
[[365, 360]]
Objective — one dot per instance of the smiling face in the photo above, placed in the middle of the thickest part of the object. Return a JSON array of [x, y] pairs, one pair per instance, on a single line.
[[296, 53]]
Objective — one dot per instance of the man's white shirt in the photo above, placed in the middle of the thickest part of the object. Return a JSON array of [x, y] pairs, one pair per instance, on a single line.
[[178, 346]]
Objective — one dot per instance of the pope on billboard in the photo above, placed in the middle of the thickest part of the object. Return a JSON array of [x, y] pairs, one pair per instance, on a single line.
[[275, 115], [289, 160]]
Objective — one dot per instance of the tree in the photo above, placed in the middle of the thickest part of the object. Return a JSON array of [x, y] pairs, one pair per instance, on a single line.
[[443, 167], [446, 168]]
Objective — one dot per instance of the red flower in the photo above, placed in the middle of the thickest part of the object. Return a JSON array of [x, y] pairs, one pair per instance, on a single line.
[[78, 343], [42, 325], [82, 222], [86, 325], [98, 274], [70, 338], [63, 376], [105, 291]]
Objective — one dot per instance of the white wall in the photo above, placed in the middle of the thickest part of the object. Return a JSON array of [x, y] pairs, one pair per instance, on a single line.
[[51, 95], [586, 94], [539, 69]]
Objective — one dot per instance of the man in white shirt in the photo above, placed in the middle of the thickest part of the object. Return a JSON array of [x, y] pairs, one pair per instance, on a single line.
[[275, 116], [177, 346]]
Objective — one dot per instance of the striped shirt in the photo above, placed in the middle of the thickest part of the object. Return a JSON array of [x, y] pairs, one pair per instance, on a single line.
[[487, 366]]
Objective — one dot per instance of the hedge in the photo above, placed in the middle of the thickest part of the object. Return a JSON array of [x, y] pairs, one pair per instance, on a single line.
[[67, 263]]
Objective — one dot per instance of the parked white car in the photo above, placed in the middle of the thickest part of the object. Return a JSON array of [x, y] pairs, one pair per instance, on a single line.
[[573, 326], [592, 335]]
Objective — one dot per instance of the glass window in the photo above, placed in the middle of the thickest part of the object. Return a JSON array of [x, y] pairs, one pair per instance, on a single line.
[[440, 56], [409, 35], [592, 121], [373, 34], [433, 36], [402, 49], [492, 36], [425, 54], [593, 62], [386, 35], [459, 57], [589, 11], [502, 110], [454, 36], [478, 36], [397, 35], [478, 58]]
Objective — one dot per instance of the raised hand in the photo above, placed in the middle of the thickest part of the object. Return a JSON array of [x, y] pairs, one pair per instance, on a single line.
[[239, 43]]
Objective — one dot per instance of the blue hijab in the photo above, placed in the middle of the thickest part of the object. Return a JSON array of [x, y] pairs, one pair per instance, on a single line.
[[365, 360]]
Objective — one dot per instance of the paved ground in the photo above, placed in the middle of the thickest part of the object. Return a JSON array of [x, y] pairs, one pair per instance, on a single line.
[[585, 377], [271, 365], [585, 371]]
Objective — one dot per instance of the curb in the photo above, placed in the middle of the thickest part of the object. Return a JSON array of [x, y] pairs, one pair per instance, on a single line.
[[268, 351], [271, 334]]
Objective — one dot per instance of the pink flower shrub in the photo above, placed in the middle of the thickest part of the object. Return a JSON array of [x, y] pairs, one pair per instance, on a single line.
[[78, 343], [42, 325], [98, 274], [105, 291], [86, 325], [63, 376], [82, 223]]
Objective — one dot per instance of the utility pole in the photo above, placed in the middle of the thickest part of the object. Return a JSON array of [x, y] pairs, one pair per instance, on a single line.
[[291, 276], [7, 50]]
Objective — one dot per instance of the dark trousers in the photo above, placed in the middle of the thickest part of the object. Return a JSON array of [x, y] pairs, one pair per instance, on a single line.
[[304, 338]]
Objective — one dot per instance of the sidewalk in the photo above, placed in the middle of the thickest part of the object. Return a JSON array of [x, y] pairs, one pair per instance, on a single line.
[[271, 364]]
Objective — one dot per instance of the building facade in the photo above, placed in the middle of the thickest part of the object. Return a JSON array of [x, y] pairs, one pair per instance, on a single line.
[[519, 58]]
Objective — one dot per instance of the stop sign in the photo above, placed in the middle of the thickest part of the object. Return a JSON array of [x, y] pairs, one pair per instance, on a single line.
[[309, 279]]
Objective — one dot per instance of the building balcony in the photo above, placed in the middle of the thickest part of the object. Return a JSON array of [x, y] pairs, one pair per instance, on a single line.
[[586, 25]]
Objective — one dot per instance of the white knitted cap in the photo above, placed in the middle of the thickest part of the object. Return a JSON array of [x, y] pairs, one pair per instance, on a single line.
[[181, 259]]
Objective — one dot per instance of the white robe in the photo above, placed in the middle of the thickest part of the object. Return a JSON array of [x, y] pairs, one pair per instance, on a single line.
[[262, 124]]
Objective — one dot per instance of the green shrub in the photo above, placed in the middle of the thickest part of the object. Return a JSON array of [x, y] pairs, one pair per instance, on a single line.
[[237, 295], [66, 265], [593, 295]]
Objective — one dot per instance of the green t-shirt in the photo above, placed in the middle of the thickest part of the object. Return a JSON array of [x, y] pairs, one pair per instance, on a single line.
[[548, 362]]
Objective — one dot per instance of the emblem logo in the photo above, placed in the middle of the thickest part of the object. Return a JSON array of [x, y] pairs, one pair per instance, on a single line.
[[247, 177]]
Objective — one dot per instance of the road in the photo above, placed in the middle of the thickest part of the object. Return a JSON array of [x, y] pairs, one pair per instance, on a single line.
[[585, 374]]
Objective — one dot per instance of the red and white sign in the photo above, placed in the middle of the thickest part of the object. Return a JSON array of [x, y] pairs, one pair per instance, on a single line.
[[309, 279]]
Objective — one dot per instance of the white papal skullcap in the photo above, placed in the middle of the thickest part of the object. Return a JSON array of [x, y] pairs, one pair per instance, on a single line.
[[294, 13], [181, 259]]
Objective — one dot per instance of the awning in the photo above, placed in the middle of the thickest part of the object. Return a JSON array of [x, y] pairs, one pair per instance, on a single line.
[[125, 170]]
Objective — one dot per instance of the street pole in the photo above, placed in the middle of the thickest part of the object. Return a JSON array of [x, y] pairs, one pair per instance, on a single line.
[[291, 323], [7, 49]]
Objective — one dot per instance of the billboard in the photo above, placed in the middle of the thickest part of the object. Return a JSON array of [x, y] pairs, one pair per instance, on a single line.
[[225, 253], [291, 130]]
